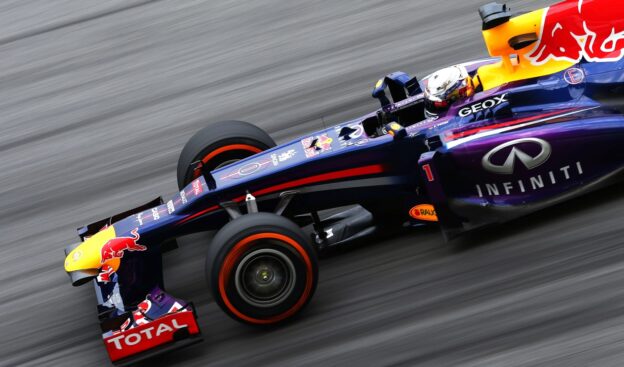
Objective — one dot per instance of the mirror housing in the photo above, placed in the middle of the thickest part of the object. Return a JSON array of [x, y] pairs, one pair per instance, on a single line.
[[400, 86]]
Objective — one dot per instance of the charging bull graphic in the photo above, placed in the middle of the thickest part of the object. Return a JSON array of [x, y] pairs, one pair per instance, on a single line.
[[106, 274], [115, 248], [574, 29]]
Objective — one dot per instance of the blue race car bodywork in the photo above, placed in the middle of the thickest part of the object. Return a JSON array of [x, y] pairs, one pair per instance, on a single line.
[[539, 131]]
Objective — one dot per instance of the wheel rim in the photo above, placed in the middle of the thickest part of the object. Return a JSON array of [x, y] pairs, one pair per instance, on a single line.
[[231, 261], [265, 277]]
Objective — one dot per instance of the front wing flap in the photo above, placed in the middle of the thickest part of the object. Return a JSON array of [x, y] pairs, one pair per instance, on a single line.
[[160, 324]]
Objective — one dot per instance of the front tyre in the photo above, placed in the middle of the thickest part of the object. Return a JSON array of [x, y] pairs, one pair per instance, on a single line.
[[218, 145], [261, 269]]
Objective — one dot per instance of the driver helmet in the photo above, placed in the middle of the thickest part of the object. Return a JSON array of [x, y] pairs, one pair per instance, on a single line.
[[445, 87]]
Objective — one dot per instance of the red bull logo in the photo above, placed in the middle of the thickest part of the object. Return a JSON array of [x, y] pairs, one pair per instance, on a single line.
[[576, 29], [106, 274], [116, 247], [141, 312], [145, 305]]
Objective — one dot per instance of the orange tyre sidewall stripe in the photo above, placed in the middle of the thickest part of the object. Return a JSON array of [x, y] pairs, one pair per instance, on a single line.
[[227, 148], [235, 254]]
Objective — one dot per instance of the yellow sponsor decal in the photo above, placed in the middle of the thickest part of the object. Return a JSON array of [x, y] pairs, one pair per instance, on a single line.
[[379, 83], [424, 212], [395, 126]]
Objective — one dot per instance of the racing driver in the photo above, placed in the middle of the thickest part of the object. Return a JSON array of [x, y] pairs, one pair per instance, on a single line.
[[446, 86]]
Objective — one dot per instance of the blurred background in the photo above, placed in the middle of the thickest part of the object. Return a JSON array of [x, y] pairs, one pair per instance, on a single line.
[[97, 99]]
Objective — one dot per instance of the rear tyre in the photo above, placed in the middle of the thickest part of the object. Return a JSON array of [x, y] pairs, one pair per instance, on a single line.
[[218, 145], [261, 269]]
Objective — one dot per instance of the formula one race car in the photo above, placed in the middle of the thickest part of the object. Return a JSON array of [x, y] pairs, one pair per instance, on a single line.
[[537, 124]]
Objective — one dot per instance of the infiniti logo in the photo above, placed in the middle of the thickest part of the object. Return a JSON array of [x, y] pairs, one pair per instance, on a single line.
[[532, 153], [529, 161]]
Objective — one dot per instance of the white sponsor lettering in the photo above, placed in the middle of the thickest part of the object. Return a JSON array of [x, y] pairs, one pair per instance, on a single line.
[[197, 187], [162, 328], [487, 104], [533, 183], [147, 332], [121, 341], [175, 324], [116, 340], [133, 339], [286, 155]]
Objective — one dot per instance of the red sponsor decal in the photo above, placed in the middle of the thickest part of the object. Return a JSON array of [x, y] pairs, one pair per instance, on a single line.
[[574, 29], [314, 145], [115, 248], [428, 172], [106, 274], [424, 212], [197, 187], [175, 307], [149, 335], [574, 76], [141, 311], [145, 305], [124, 326]]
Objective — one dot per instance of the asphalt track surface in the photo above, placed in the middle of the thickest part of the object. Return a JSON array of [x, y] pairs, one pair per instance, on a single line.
[[98, 98]]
